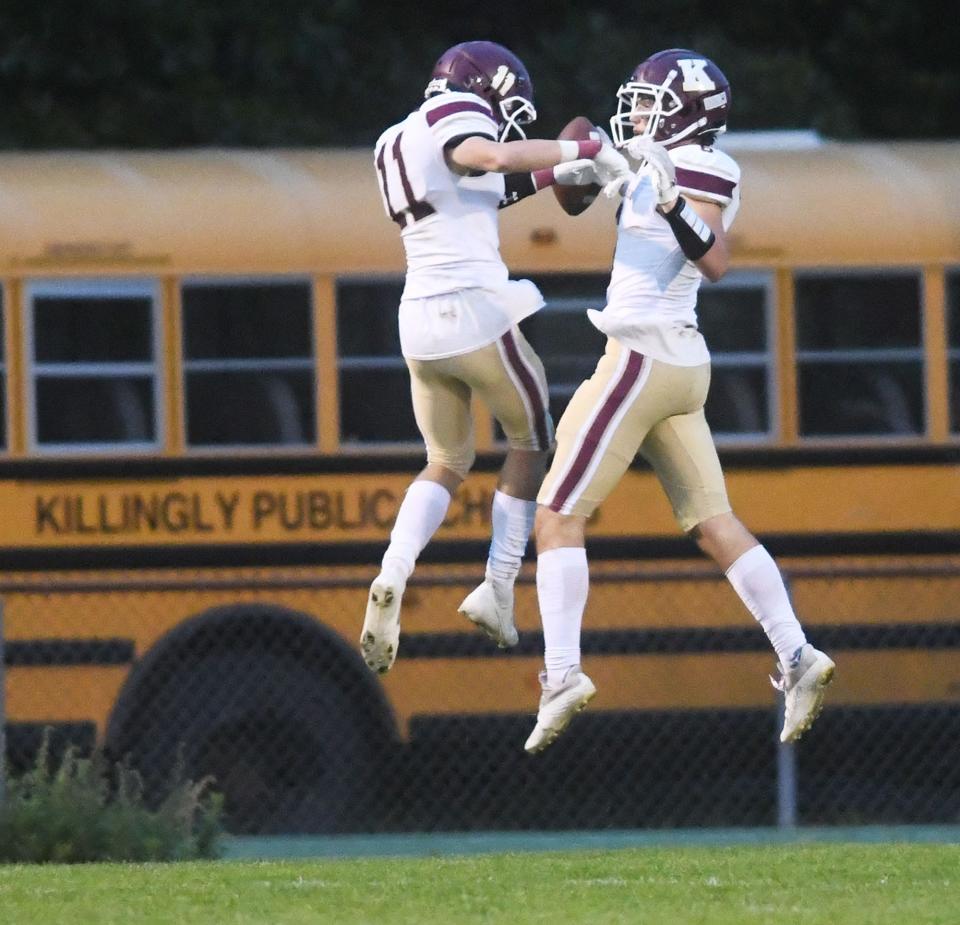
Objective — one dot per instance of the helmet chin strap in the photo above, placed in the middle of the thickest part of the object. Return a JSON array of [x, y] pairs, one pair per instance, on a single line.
[[689, 130]]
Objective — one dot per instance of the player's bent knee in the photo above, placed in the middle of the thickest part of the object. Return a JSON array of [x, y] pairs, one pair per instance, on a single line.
[[698, 516], [529, 443], [552, 530], [460, 462], [717, 526]]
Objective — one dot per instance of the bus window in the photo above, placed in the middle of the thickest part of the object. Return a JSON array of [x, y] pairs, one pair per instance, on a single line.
[[736, 318], [859, 354], [375, 404], [953, 347], [93, 365], [248, 364]]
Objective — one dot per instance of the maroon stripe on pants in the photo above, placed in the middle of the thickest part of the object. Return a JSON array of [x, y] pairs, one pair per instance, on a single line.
[[597, 428], [530, 387]]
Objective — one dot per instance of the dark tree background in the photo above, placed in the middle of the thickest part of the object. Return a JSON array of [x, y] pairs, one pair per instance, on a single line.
[[174, 73]]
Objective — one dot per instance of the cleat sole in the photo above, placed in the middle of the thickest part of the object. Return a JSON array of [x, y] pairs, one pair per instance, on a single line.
[[377, 645]]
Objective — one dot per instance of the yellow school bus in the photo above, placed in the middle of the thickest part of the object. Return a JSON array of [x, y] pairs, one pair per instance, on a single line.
[[205, 432]]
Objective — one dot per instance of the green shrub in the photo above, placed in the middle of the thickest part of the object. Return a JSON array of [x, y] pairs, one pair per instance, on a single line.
[[90, 809]]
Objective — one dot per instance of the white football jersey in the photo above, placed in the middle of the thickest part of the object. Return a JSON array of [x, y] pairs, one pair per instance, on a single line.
[[448, 222], [457, 296], [652, 296]]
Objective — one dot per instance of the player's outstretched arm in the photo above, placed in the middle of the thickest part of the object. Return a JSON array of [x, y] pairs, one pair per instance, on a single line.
[[581, 172], [482, 154]]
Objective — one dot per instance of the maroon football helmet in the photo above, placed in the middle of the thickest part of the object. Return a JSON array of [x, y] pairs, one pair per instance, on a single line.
[[493, 73], [684, 95]]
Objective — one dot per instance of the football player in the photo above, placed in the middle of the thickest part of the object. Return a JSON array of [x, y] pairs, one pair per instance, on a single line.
[[648, 391], [444, 171]]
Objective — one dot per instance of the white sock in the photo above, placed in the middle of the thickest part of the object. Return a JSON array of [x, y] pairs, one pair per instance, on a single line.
[[422, 511], [563, 581], [512, 522], [756, 578]]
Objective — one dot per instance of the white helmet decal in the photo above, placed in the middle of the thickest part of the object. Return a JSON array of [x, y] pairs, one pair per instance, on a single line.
[[503, 80], [695, 77]]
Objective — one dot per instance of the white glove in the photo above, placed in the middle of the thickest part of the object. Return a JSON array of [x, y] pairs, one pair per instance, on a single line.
[[657, 158], [612, 169], [581, 172]]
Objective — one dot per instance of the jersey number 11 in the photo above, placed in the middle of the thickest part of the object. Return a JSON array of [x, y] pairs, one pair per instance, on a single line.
[[413, 209]]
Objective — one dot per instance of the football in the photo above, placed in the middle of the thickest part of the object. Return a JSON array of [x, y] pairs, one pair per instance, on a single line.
[[574, 199]]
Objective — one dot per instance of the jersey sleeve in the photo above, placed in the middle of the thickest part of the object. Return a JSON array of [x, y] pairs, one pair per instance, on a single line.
[[706, 173], [455, 115]]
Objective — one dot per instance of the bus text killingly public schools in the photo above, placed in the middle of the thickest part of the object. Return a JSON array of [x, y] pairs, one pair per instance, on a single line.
[[217, 512]]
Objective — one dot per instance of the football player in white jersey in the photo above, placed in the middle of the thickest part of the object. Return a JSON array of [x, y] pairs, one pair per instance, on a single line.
[[444, 171], [648, 391]]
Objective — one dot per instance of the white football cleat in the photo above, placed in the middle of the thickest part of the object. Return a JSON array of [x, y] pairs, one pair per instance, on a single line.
[[380, 636], [803, 682], [490, 606], [558, 705]]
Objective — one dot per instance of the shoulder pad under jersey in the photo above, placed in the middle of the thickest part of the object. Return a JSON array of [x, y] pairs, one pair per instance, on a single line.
[[452, 114], [706, 173]]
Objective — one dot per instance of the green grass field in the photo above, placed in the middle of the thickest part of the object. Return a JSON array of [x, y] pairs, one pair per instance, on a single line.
[[839, 884]]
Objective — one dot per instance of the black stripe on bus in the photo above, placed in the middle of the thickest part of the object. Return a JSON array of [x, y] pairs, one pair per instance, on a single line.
[[468, 552], [702, 641], [926, 636], [61, 653], [412, 462]]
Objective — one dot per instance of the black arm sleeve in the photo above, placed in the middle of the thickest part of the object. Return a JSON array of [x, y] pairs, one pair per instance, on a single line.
[[517, 186], [693, 234]]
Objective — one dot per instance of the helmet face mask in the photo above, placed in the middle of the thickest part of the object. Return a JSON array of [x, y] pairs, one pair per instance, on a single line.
[[652, 102], [493, 73], [515, 112], [683, 96]]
